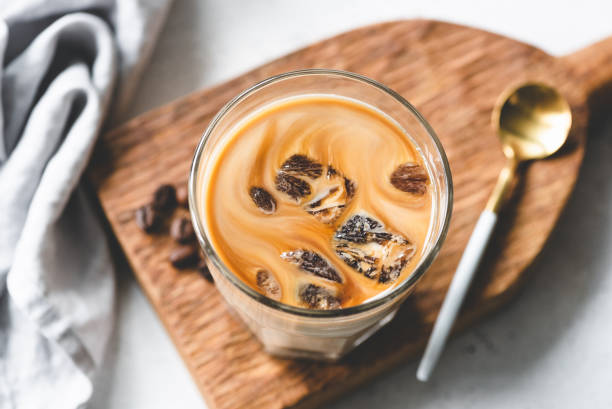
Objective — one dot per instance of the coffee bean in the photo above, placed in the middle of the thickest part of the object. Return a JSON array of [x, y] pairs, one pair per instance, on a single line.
[[263, 199], [181, 230], [164, 198], [147, 218], [411, 178], [293, 186], [204, 271], [182, 196], [184, 256]]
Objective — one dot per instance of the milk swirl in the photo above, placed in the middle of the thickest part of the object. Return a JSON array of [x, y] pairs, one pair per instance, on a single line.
[[357, 141]]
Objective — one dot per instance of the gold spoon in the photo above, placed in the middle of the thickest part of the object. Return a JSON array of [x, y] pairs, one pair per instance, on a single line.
[[533, 122]]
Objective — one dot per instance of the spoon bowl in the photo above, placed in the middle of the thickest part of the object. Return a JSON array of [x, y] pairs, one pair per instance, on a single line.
[[533, 121]]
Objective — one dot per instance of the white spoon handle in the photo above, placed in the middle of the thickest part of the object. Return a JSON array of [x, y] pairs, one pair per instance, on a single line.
[[456, 293]]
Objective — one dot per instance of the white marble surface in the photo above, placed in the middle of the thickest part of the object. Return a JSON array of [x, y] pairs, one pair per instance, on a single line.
[[550, 348]]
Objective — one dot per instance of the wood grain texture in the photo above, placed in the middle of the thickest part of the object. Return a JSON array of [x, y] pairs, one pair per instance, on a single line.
[[453, 75]]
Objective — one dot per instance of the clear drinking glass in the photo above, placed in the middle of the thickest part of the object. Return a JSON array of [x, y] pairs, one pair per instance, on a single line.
[[290, 331]]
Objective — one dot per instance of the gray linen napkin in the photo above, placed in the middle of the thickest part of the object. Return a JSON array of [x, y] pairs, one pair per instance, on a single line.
[[62, 63]]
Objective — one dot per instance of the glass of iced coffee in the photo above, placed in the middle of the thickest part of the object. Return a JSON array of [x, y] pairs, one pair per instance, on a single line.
[[320, 198]]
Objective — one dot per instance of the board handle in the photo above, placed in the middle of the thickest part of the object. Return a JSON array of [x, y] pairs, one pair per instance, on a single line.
[[592, 66]]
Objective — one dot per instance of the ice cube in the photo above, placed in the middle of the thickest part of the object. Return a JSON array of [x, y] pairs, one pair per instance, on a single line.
[[312, 263], [268, 284], [331, 195], [316, 297], [367, 247]]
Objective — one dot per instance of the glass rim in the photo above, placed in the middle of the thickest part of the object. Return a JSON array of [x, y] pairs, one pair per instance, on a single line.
[[420, 269]]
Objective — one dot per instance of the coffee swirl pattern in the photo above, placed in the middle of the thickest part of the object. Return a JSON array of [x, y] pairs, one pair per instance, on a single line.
[[318, 202]]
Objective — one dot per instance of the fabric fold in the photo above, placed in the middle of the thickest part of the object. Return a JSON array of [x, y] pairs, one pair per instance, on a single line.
[[63, 62]]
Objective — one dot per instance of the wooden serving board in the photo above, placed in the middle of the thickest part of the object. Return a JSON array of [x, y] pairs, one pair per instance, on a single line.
[[453, 75]]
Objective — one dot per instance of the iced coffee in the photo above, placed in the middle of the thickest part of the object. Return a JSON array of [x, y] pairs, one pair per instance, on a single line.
[[320, 198], [319, 202]]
